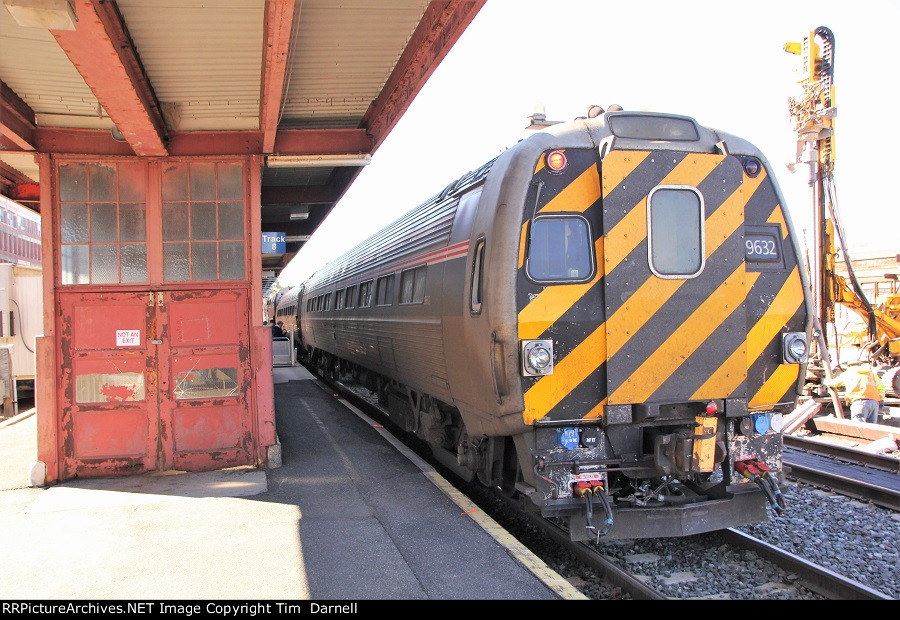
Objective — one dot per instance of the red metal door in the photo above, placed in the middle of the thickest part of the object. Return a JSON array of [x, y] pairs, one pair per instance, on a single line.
[[155, 380], [205, 358], [109, 410]]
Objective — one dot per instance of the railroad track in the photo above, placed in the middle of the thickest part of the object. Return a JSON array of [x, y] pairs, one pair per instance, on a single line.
[[822, 581], [844, 453], [817, 578], [862, 475]]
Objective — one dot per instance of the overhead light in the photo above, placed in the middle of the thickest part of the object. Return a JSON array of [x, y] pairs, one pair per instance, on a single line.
[[300, 212], [318, 161], [50, 14], [297, 238]]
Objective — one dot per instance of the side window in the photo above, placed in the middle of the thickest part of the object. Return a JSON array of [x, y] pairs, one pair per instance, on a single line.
[[675, 228], [349, 296], [477, 294], [384, 291], [412, 286], [365, 294], [560, 249], [327, 301], [339, 299]]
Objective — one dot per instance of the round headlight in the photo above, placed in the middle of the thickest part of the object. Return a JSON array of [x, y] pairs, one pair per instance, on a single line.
[[539, 358], [797, 347]]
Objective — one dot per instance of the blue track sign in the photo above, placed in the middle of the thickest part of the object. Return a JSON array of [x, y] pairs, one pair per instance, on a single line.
[[273, 243]]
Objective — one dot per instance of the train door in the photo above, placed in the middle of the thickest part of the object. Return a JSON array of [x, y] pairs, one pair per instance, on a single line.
[[155, 380], [673, 225]]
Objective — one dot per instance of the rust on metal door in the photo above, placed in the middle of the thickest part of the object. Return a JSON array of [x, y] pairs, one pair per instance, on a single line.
[[109, 410], [206, 360], [155, 380]]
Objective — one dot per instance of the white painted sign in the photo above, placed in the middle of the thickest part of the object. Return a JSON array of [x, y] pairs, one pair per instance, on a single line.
[[128, 337]]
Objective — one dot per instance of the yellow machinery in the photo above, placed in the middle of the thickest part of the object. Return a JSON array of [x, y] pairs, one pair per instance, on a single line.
[[813, 118]]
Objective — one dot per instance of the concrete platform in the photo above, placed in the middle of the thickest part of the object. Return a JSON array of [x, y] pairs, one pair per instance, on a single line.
[[348, 516]]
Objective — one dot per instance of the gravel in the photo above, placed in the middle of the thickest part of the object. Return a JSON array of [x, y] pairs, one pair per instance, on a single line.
[[847, 536]]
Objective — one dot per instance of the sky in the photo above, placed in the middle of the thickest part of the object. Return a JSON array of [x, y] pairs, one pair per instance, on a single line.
[[722, 63]]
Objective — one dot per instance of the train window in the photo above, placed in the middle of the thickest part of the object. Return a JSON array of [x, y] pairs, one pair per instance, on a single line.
[[327, 301], [349, 296], [365, 294], [560, 249], [384, 291], [676, 236], [339, 299], [477, 278], [412, 286], [646, 127]]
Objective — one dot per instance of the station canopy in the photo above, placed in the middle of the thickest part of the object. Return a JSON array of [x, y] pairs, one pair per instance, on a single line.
[[314, 86]]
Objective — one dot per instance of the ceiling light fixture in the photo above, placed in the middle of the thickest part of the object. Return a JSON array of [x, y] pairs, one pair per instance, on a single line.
[[318, 161]]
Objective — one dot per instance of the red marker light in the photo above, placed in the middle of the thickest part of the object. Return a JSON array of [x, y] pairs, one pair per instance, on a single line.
[[556, 161], [711, 408]]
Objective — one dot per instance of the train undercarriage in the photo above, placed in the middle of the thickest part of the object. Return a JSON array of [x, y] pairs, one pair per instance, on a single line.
[[616, 481]]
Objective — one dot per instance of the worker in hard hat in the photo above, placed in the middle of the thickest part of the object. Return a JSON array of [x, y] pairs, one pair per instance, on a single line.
[[863, 388]]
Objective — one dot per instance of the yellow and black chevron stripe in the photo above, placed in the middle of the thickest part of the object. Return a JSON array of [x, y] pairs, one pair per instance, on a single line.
[[628, 336]]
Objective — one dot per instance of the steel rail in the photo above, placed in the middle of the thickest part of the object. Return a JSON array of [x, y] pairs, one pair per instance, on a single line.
[[844, 453], [886, 498], [612, 572], [813, 577], [816, 578]]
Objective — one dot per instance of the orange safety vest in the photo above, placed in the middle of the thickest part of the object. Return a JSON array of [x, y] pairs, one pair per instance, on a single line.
[[861, 383]]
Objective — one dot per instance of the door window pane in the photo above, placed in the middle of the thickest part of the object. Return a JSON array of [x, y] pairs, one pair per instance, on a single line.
[[203, 220], [102, 183], [132, 222], [231, 261], [103, 223], [231, 220], [132, 182], [206, 383], [176, 267], [203, 261], [134, 262], [675, 232], [203, 181], [231, 181], [109, 387], [175, 221], [104, 263], [74, 223], [75, 264], [175, 182], [72, 182]]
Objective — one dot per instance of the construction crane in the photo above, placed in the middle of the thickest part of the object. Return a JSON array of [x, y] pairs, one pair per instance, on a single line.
[[813, 117]]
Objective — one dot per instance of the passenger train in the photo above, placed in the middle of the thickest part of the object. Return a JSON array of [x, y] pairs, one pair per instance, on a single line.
[[608, 320]]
